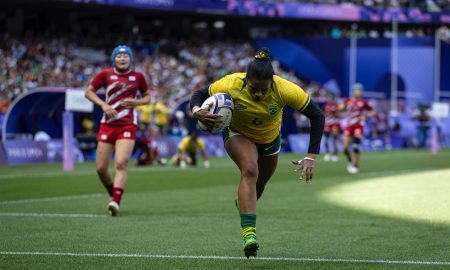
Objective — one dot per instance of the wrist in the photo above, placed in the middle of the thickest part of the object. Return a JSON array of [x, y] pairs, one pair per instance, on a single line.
[[196, 109]]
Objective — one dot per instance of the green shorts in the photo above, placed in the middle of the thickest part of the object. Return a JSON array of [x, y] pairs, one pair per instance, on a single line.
[[266, 149]]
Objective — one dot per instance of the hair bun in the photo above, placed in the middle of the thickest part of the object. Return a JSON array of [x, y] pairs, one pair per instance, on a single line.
[[263, 54]]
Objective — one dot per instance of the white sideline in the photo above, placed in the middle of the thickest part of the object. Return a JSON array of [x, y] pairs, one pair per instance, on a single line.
[[158, 256], [51, 199], [10, 214]]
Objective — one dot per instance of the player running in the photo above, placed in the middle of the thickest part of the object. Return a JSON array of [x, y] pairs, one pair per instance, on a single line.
[[357, 109], [332, 128], [117, 132], [253, 138], [190, 145]]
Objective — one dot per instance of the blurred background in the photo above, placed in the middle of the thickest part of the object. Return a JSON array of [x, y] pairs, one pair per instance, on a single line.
[[398, 49]]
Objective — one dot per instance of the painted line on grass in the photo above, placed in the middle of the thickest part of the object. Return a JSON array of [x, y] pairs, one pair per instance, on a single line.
[[9, 214], [52, 199], [158, 256]]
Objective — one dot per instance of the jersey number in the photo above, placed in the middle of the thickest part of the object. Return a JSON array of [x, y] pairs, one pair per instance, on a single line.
[[257, 121]]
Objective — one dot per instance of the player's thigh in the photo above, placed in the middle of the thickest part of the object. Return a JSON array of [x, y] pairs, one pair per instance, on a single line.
[[243, 152], [103, 156], [267, 166], [124, 148]]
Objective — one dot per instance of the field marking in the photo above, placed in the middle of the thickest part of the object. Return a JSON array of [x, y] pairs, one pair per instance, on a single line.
[[158, 256], [8, 214], [51, 199]]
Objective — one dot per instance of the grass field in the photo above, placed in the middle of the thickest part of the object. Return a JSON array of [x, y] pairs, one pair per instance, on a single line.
[[395, 214]]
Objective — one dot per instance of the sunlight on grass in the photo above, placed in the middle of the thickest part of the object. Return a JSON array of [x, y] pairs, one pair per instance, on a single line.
[[421, 196]]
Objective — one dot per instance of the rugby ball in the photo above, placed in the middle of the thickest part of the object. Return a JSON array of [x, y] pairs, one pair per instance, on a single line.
[[219, 103]]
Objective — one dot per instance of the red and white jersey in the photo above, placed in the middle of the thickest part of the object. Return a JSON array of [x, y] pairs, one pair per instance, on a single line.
[[331, 113], [356, 109], [119, 87]]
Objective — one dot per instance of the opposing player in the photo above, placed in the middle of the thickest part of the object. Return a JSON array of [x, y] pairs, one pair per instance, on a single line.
[[253, 138], [117, 132], [357, 109], [189, 146], [332, 128]]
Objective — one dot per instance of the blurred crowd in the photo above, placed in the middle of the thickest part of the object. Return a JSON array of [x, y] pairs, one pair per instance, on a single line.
[[429, 5], [175, 69]]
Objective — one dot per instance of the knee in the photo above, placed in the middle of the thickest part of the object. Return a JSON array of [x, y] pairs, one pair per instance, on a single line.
[[102, 170], [121, 165], [250, 173]]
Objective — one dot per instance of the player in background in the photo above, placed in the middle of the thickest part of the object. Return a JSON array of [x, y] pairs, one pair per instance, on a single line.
[[332, 128], [357, 109], [381, 129], [189, 146], [117, 132], [253, 139]]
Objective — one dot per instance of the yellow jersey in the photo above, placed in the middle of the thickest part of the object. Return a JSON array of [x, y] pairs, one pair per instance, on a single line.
[[260, 121], [161, 112], [145, 113], [186, 145]]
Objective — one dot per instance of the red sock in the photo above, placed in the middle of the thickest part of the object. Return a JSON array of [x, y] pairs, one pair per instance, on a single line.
[[110, 189], [117, 195]]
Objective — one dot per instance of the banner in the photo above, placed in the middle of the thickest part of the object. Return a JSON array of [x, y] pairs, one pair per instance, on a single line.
[[20, 152]]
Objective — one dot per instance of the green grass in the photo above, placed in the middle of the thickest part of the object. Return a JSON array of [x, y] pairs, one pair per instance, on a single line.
[[172, 212]]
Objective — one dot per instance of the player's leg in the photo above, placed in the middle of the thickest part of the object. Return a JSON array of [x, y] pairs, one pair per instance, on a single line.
[[266, 168], [346, 145], [124, 148], [335, 135], [244, 153], [193, 158], [327, 146], [103, 156], [356, 150]]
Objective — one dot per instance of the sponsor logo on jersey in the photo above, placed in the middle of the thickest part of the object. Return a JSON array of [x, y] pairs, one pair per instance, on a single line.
[[113, 77], [103, 137], [240, 107], [273, 109], [131, 78]]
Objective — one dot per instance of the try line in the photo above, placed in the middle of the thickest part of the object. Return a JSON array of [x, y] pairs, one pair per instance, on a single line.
[[125, 255]]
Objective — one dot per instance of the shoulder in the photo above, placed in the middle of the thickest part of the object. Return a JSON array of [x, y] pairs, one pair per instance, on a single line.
[[231, 81]]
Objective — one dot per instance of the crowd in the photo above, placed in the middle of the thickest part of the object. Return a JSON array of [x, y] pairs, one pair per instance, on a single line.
[[175, 69], [429, 5]]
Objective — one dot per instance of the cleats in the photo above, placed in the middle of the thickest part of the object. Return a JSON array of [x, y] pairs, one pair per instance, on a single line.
[[113, 208], [352, 169], [250, 246], [334, 158], [327, 157]]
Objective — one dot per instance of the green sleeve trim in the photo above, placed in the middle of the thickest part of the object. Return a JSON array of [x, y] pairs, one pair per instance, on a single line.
[[304, 105], [209, 90]]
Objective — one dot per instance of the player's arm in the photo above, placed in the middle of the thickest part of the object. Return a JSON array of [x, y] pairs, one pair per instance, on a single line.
[[200, 113], [91, 95], [317, 121], [132, 102]]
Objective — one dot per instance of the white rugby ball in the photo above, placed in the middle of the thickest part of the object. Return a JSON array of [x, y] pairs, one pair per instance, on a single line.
[[221, 104]]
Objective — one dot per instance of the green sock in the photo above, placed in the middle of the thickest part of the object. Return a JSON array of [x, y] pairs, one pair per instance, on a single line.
[[248, 224]]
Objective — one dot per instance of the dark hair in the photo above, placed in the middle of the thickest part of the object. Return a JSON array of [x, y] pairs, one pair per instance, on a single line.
[[261, 68]]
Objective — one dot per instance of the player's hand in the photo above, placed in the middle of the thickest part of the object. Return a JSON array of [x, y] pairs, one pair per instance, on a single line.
[[305, 166], [109, 111], [208, 119], [129, 103]]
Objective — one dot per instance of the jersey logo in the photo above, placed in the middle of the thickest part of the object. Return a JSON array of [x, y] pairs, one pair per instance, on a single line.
[[240, 107], [273, 109], [103, 137], [113, 77], [131, 78]]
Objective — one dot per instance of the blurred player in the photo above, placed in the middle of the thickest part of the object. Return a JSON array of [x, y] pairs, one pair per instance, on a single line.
[[253, 139], [380, 129], [189, 146], [117, 132], [356, 108], [332, 127]]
